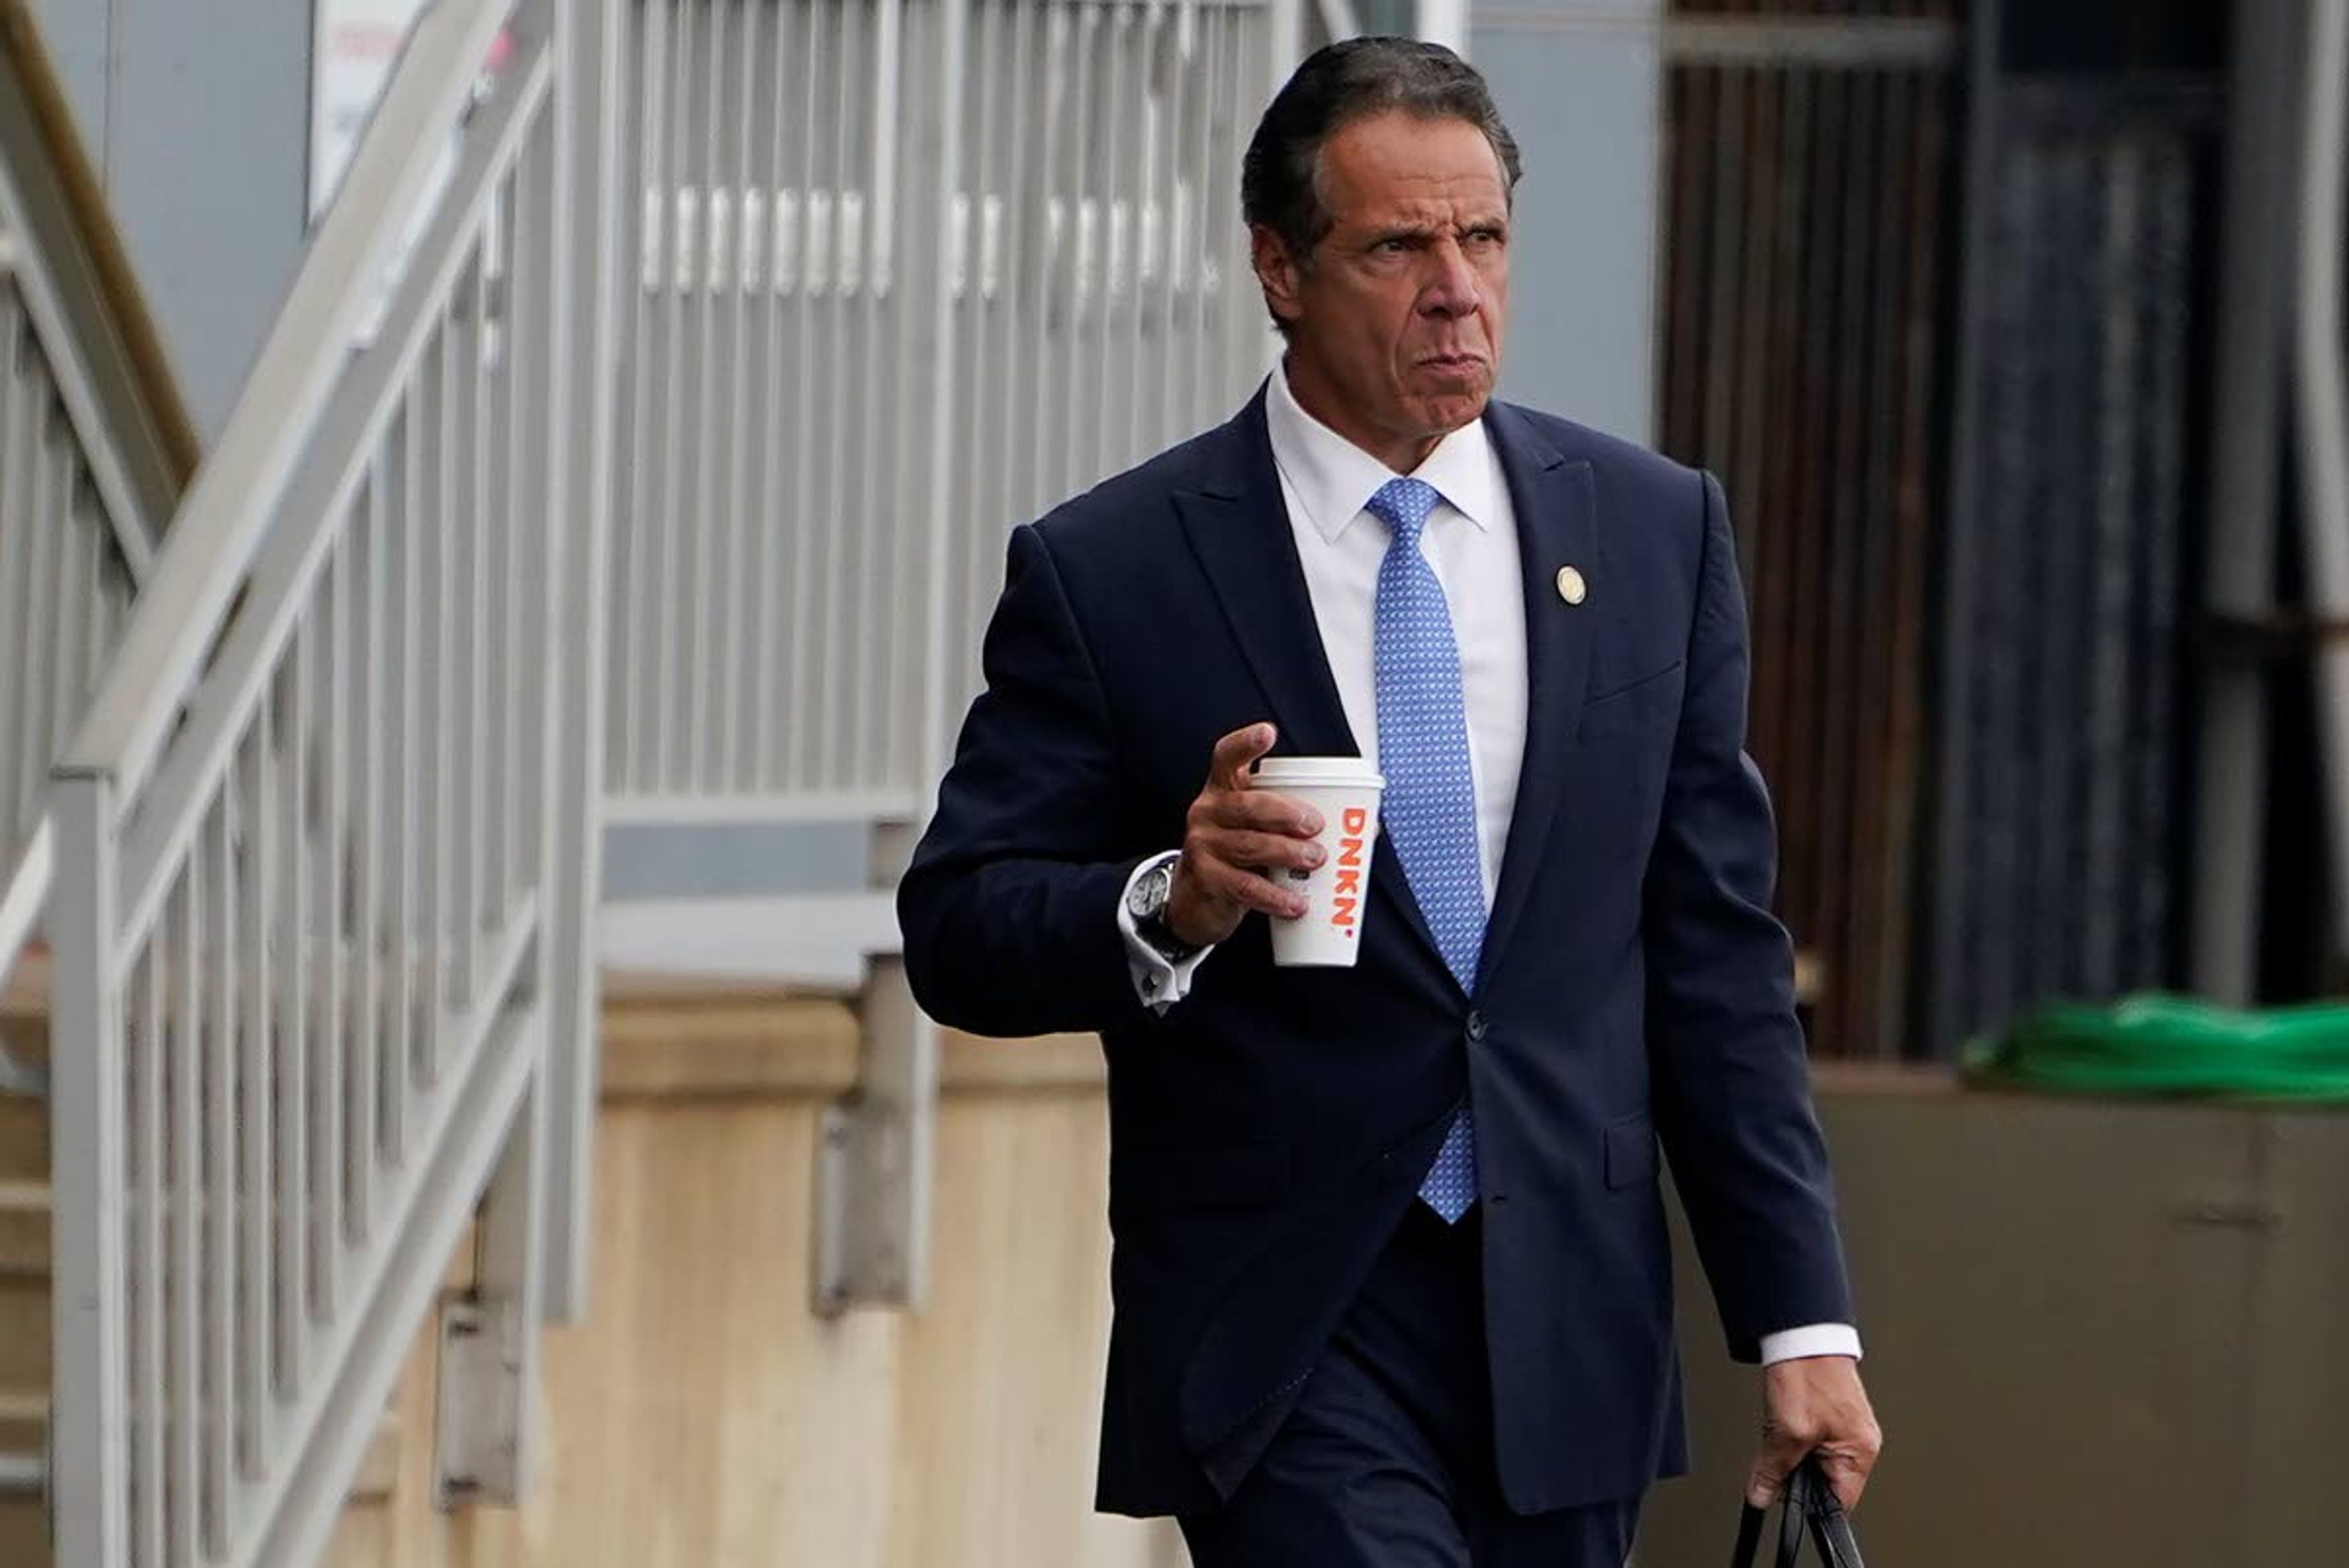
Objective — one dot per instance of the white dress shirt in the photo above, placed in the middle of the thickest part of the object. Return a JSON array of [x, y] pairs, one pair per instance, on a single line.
[[1470, 542]]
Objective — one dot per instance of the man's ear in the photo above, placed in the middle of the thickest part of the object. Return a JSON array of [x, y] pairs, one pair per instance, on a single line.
[[1277, 273]]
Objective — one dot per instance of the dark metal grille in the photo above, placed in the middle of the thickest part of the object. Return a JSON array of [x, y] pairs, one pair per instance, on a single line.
[[1807, 280], [2058, 868]]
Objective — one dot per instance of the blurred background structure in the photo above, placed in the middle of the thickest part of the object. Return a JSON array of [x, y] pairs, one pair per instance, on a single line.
[[497, 504]]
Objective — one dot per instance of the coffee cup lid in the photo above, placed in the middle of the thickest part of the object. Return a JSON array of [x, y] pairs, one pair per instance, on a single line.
[[1357, 773]]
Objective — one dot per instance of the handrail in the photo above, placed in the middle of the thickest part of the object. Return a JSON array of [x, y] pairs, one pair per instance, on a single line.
[[319, 492], [218, 528], [133, 396], [2322, 405]]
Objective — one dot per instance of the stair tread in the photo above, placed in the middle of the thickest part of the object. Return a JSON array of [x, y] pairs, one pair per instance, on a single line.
[[24, 1420], [24, 1230], [27, 992]]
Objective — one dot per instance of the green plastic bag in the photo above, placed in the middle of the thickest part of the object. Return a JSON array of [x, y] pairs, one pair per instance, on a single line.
[[2172, 1045]]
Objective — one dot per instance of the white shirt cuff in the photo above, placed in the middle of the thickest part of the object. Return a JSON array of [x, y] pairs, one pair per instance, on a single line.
[[1159, 983], [1814, 1339]]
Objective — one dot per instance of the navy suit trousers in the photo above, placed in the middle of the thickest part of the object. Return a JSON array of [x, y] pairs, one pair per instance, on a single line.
[[1385, 1459]]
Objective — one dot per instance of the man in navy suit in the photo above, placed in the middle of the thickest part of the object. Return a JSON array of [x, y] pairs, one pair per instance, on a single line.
[[1392, 1276]]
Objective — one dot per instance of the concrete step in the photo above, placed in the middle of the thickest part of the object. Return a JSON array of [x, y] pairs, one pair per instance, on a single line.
[[24, 1008], [24, 1288], [24, 1138], [24, 1033], [24, 1534], [25, 1335]]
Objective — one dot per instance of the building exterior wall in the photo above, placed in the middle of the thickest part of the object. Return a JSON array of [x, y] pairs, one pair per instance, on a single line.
[[1580, 84], [196, 116]]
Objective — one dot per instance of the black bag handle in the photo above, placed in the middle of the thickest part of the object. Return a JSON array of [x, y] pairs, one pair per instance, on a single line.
[[1810, 1503]]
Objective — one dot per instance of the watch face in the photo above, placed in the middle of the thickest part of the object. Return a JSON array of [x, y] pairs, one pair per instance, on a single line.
[[1149, 895]]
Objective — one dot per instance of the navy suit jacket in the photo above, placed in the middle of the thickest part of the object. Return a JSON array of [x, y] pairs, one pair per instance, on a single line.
[[1268, 1132]]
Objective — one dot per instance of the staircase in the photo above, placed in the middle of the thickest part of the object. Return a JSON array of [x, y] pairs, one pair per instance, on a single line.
[[314, 993], [24, 1289], [24, 1305]]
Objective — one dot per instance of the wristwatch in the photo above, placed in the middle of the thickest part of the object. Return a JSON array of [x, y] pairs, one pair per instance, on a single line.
[[1146, 902]]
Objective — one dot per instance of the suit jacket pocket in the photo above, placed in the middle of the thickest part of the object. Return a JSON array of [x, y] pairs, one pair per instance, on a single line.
[[1236, 1176], [1632, 1152], [1649, 701]]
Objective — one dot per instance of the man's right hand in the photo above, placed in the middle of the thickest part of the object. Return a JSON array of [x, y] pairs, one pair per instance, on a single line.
[[1234, 834]]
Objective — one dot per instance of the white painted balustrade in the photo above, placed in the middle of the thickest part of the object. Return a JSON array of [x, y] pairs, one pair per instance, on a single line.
[[304, 920]]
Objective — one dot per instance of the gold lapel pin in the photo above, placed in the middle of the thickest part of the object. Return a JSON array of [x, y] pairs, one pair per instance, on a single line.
[[1570, 585]]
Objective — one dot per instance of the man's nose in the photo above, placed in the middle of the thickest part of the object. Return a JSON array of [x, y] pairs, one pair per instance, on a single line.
[[1454, 289]]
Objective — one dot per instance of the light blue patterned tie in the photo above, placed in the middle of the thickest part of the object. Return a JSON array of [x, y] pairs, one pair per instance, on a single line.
[[1430, 807]]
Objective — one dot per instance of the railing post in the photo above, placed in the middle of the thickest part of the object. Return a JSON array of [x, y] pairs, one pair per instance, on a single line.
[[876, 1157], [89, 1421], [589, 96], [487, 1419]]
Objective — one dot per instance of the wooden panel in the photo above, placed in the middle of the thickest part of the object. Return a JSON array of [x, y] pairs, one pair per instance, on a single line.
[[24, 1138], [998, 1400], [24, 1334], [1799, 359], [701, 1415], [24, 1230], [24, 1534]]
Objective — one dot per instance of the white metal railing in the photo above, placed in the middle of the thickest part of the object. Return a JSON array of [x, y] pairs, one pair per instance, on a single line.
[[304, 935], [905, 273], [93, 446], [908, 271], [70, 550], [67, 583], [1109, 311]]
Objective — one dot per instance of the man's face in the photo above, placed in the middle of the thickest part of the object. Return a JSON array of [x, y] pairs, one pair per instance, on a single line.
[[1395, 326]]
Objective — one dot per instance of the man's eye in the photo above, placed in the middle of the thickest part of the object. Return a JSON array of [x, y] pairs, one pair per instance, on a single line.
[[1393, 245]]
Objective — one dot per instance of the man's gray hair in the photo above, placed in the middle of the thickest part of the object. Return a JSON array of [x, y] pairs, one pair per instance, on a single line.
[[1340, 84]]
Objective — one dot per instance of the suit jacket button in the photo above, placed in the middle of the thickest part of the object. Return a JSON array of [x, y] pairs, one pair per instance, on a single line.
[[1475, 1029]]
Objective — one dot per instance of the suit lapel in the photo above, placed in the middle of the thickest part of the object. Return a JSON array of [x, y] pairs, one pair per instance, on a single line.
[[1558, 525], [1239, 529]]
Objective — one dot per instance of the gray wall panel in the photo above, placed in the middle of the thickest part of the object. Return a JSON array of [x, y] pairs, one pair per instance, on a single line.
[[1579, 83], [77, 33], [2098, 1332], [210, 109], [197, 116]]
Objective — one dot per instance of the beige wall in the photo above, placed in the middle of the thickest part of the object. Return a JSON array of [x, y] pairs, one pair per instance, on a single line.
[[2099, 1335], [701, 1416]]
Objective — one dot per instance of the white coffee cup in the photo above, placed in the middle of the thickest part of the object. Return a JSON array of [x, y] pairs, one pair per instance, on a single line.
[[1345, 791]]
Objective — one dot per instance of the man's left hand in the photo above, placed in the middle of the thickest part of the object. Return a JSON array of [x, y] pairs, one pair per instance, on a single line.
[[1814, 1404]]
